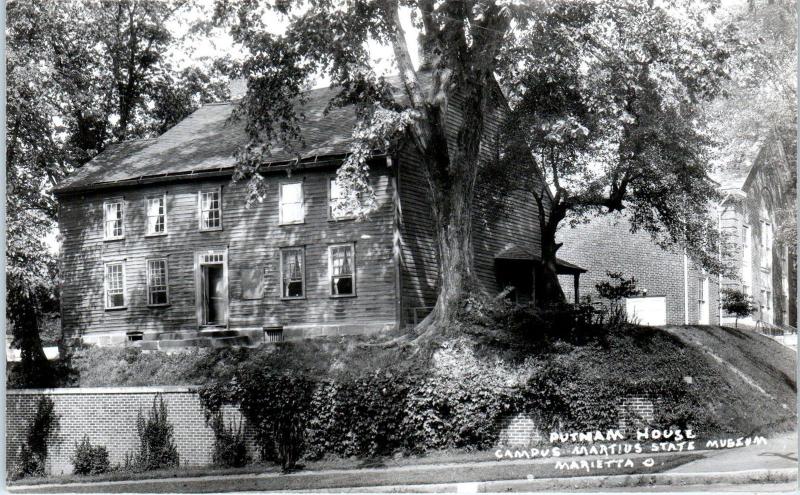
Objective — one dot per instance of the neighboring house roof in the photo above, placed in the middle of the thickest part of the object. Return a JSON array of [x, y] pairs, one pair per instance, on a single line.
[[207, 140]]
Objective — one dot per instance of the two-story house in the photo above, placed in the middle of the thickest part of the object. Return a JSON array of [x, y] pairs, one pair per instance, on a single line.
[[159, 247]]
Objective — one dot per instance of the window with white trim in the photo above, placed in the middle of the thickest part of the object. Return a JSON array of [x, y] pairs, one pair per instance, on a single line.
[[334, 193], [291, 203], [157, 282], [341, 268], [114, 227], [210, 204], [293, 276], [115, 284], [156, 215]]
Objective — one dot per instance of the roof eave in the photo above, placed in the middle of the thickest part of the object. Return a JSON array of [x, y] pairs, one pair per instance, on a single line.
[[305, 163]]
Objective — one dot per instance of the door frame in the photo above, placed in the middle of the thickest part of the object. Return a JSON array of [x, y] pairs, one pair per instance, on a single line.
[[200, 259]]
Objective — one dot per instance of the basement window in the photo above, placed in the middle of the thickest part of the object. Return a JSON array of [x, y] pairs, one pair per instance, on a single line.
[[273, 334]]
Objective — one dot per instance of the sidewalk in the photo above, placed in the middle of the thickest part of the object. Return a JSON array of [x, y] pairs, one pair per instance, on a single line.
[[778, 453], [772, 463]]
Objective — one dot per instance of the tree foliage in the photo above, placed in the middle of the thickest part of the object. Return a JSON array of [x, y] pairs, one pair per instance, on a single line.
[[80, 74], [759, 104], [604, 93], [737, 303], [617, 287], [606, 99]]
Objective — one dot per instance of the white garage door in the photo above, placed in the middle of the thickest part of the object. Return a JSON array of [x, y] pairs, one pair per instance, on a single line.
[[650, 310]]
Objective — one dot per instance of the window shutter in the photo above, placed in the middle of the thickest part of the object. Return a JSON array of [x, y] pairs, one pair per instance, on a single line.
[[252, 282]]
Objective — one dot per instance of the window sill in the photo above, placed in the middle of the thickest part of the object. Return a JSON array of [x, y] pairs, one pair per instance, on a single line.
[[293, 298], [112, 239], [159, 305], [342, 296], [117, 308], [341, 219], [215, 229], [161, 234], [284, 224]]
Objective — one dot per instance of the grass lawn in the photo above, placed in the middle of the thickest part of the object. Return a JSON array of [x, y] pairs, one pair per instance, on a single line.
[[770, 365], [410, 471]]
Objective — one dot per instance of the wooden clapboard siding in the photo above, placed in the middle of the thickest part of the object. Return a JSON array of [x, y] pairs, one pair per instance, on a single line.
[[252, 238], [492, 231], [419, 265]]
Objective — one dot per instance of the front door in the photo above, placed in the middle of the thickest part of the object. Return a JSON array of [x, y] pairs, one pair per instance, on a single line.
[[212, 288], [214, 300]]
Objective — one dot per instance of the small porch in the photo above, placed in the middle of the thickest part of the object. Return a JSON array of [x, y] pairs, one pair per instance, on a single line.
[[521, 271]]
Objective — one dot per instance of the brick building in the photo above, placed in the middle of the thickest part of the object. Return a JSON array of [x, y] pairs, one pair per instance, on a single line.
[[675, 291], [750, 214]]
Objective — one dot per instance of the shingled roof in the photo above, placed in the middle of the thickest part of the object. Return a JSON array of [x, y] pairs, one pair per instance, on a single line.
[[206, 141]]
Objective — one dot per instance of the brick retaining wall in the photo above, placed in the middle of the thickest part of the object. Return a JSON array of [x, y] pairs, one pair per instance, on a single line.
[[108, 417], [520, 430]]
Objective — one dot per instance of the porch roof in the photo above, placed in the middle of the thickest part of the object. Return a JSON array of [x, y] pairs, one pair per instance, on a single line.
[[516, 253]]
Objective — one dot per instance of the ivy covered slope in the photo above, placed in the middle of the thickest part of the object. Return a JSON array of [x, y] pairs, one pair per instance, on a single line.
[[451, 392]]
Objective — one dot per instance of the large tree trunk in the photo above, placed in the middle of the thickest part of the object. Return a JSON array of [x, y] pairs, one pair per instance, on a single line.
[[454, 242], [549, 288], [451, 180]]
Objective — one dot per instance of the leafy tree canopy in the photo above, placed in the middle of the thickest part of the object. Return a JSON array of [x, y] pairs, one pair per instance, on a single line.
[[604, 93], [607, 96], [759, 103], [80, 74]]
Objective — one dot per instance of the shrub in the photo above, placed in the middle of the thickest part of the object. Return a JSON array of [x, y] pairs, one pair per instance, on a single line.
[[615, 289], [357, 415], [89, 459], [563, 398], [276, 404], [230, 449], [156, 445], [33, 453]]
